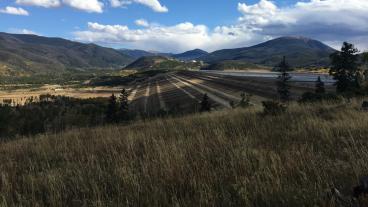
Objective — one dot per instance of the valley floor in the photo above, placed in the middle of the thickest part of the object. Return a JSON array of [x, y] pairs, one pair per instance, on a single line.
[[225, 158], [22, 93], [182, 90]]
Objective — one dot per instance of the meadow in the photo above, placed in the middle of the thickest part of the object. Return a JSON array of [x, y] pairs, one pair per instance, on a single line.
[[232, 157]]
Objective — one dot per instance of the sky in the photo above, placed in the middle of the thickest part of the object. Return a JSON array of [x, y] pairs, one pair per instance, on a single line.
[[181, 25]]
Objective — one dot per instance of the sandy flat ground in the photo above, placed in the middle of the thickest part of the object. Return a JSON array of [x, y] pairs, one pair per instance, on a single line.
[[19, 96]]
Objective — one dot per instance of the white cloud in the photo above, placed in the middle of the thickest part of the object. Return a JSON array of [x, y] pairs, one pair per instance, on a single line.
[[92, 5], [14, 11], [22, 31], [142, 22], [42, 3], [86, 5], [119, 3], [331, 21], [155, 5], [316, 18], [177, 38]]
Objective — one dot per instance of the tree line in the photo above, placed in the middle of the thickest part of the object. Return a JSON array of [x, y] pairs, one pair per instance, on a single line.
[[56, 113], [348, 68]]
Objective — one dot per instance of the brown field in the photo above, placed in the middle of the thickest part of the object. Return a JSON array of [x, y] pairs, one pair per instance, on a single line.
[[19, 96]]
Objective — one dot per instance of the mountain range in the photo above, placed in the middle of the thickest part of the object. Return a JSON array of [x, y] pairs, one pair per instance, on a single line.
[[142, 53], [31, 54], [300, 52]]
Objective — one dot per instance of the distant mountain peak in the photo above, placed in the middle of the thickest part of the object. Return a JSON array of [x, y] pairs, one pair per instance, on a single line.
[[191, 54], [300, 52], [197, 50], [296, 37]]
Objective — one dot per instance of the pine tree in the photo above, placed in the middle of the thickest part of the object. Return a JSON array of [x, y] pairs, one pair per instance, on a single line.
[[283, 87], [205, 103], [320, 86], [245, 100], [365, 57], [345, 66], [112, 109], [124, 105]]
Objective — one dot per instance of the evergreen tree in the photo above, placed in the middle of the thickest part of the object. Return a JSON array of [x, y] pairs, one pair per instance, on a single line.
[[245, 100], [205, 103], [345, 66], [320, 86], [283, 87], [112, 110], [365, 57], [124, 105]]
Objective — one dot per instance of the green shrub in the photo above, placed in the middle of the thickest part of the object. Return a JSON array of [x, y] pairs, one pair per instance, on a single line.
[[310, 97], [273, 108]]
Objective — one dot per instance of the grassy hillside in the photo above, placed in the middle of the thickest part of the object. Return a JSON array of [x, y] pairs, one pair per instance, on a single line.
[[191, 55], [300, 52], [161, 63], [227, 158], [31, 54], [142, 53], [233, 65]]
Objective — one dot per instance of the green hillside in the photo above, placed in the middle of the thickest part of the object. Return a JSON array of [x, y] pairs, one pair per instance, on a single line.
[[233, 65], [31, 54], [300, 52], [161, 63]]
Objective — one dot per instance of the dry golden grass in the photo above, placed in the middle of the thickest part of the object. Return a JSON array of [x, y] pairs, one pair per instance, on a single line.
[[20, 96], [227, 158]]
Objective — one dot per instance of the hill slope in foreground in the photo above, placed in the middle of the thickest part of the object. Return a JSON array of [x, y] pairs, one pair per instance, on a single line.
[[31, 54], [300, 52], [231, 158]]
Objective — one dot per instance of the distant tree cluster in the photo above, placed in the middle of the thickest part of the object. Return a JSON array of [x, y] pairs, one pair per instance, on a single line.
[[118, 108]]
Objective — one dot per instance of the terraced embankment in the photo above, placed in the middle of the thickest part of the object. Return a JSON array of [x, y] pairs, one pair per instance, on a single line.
[[183, 91]]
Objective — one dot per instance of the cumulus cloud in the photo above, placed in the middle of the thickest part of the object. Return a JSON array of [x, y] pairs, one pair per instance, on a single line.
[[326, 20], [88, 6], [85, 5], [14, 11], [155, 5], [119, 3], [93, 5], [331, 21], [42, 3], [176, 38]]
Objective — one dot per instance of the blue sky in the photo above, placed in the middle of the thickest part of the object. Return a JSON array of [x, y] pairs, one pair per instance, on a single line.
[[179, 25]]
